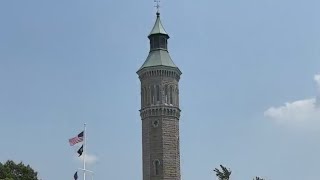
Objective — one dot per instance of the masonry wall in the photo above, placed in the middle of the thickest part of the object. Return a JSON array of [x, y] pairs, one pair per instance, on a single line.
[[160, 127]]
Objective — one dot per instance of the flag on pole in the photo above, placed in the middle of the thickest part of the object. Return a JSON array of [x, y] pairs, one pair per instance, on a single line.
[[77, 139], [80, 151], [75, 176]]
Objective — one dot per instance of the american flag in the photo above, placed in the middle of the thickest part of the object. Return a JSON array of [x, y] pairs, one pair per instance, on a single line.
[[77, 139]]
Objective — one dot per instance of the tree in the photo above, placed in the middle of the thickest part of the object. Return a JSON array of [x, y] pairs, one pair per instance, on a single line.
[[224, 174], [258, 178], [12, 171]]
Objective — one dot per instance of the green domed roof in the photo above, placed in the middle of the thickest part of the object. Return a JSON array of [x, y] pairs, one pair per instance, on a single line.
[[158, 58], [158, 55]]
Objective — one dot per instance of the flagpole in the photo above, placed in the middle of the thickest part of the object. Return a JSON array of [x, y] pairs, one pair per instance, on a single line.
[[84, 152]]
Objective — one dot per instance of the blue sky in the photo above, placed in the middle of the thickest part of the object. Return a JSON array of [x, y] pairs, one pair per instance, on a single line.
[[248, 89]]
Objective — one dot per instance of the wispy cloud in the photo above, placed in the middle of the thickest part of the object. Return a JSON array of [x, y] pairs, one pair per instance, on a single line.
[[317, 80], [90, 159], [305, 112]]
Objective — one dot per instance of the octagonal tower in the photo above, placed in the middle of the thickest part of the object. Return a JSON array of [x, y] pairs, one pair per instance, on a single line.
[[160, 111]]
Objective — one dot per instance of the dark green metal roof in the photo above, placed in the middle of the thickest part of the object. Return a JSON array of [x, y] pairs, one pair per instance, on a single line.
[[158, 58], [158, 27]]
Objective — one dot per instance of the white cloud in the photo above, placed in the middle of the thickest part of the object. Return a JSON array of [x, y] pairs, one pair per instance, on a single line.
[[317, 79], [90, 159], [297, 111], [301, 113]]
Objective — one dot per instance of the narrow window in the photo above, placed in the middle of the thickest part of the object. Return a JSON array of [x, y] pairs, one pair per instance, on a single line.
[[166, 94], [144, 96], [171, 95], [162, 42], [166, 44], [156, 42], [151, 43], [176, 96], [148, 96], [152, 94], [158, 93], [156, 164]]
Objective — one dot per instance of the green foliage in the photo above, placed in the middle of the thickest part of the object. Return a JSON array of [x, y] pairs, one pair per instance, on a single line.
[[12, 171], [258, 178], [224, 174]]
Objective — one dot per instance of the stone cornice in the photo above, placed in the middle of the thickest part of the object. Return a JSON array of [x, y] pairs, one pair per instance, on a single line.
[[156, 111], [158, 72]]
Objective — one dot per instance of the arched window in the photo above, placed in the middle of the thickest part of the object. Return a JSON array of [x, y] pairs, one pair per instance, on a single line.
[[171, 95], [175, 96], [148, 95], [156, 165], [152, 95], [163, 42], [156, 42], [144, 96], [166, 94], [151, 43], [158, 92]]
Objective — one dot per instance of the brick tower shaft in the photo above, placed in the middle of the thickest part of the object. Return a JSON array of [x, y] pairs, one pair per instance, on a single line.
[[160, 111]]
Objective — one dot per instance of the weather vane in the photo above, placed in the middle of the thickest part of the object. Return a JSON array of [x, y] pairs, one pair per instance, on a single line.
[[157, 5]]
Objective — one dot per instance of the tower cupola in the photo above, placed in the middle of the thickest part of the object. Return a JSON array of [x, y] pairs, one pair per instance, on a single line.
[[158, 55], [158, 36]]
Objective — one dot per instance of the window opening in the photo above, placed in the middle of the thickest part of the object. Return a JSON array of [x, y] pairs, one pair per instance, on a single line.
[[171, 94], [156, 167], [158, 93], [152, 94]]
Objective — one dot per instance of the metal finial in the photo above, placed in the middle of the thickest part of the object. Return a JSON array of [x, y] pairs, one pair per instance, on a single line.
[[157, 6]]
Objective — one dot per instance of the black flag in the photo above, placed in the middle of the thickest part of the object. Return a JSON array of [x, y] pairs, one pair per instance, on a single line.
[[75, 176], [80, 151]]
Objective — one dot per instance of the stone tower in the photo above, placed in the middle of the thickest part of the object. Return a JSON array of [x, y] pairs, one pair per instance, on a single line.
[[160, 111]]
